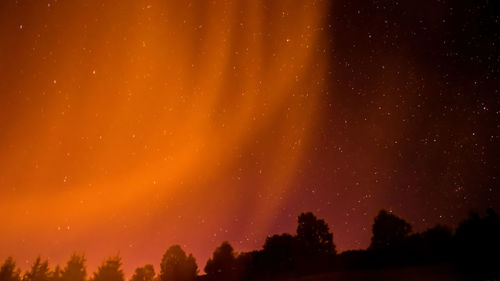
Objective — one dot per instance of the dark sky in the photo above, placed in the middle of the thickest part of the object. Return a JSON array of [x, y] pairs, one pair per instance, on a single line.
[[128, 127], [412, 121]]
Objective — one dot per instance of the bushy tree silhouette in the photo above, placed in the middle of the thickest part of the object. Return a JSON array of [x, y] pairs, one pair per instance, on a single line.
[[279, 252], [39, 271], [109, 270], [388, 231], [437, 244], [75, 269], [314, 249], [477, 244], [313, 236], [177, 266], [245, 264], [9, 271], [222, 261], [145, 273]]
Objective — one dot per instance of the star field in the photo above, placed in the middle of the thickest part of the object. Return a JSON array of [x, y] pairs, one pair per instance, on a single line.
[[130, 126]]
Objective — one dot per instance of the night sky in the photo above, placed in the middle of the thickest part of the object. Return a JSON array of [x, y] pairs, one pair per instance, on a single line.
[[130, 126]]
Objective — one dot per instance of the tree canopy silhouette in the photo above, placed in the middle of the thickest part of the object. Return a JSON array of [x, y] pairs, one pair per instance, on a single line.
[[39, 271], [177, 266], [56, 275], [9, 271], [313, 236], [437, 242], [474, 247], [222, 261], [388, 231], [477, 244], [145, 273], [279, 252], [110, 270], [75, 269]]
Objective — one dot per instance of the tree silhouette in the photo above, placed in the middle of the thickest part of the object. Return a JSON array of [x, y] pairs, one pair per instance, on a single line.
[[176, 266], [313, 236], [9, 271], [474, 247], [56, 275], [75, 269], [477, 244], [222, 261], [388, 231], [245, 264], [145, 273], [279, 252], [437, 243], [110, 270], [39, 271]]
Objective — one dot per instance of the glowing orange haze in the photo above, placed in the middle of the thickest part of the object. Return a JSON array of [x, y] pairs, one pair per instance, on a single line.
[[129, 126]]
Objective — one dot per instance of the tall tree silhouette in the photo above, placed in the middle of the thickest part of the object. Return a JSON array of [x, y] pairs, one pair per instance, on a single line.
[[9, 271], [39, 271], [388, 231], [177, 266], [313, 236], [75, 269], [145, 273], [222, 261], [110, 270]]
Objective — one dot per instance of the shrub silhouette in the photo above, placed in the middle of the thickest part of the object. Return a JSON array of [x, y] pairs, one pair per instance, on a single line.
[[222, 261], [39, 271], [109, 270], [145, 273], [176, 266], [9, 271]]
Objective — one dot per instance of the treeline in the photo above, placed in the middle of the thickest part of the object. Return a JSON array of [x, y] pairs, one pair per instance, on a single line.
[[473, 248]]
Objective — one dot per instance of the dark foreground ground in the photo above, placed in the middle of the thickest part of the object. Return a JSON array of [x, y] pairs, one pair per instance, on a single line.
[[429, 273], [421, 273]]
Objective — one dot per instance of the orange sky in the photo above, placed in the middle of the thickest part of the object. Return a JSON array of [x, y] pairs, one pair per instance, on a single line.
[[128, 126]]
